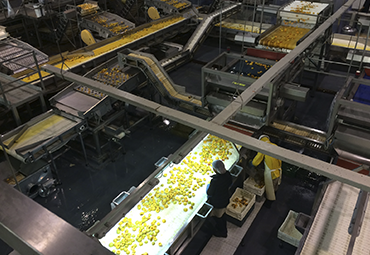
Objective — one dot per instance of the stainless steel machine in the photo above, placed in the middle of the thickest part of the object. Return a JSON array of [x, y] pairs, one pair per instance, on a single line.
[[348, 126], [229, 75]]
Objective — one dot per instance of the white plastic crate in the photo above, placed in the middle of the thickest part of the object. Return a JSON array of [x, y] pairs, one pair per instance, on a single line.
[[250, 185], [240, 211], [288, 232]]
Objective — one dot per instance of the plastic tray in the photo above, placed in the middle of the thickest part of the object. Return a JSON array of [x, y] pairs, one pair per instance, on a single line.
[[241, 211], [287, 231], [250, 185]]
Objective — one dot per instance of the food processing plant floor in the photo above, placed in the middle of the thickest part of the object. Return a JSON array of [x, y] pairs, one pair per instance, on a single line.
[[85, 194]]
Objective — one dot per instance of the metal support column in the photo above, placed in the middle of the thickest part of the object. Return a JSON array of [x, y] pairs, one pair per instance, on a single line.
[[83, 148], [9, 163], [54, 166]]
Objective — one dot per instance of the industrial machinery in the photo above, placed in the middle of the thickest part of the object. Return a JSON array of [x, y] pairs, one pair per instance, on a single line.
[[89, 56], [229, 75], [166, 7], [106, 24], [17, 56], [34, 146], [339, 223], [294, 23], [169, 208], [348, 126]]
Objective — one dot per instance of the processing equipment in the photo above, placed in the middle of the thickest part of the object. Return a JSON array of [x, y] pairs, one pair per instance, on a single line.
[[348, 126], [229, 75], [295, 22], [170, 206]]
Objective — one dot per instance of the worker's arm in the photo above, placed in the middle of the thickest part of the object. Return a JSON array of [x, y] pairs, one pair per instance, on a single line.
[[258, 159], [210, 190]]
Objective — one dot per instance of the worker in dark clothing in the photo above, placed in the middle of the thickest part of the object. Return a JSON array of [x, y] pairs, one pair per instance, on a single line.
[[218, 196]]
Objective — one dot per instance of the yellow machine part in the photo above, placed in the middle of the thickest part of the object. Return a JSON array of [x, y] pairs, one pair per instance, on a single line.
[[153, 13], [87, 37]]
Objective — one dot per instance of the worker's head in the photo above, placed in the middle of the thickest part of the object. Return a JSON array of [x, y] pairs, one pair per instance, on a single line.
[[264, 138], [219, 167]]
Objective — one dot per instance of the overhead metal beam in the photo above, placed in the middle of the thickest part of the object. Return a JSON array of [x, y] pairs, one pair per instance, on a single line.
[[306, 162], [29, 228], [277, 68]]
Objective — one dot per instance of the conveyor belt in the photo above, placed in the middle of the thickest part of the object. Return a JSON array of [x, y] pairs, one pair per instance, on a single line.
[[350, 42], [206, 25], [163, 78], [242, 27], [169, 6], [283, 37], [47, 131], [312, 134], [163, 214], [329, 231], [114, 77], [112, 45], [17, 92]]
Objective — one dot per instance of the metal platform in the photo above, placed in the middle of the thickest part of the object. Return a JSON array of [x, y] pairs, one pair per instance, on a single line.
[[17, 56], [15, 93]]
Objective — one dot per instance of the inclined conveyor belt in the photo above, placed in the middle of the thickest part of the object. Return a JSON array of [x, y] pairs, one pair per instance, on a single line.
[[329, 231], [155, 71], [207, 24]]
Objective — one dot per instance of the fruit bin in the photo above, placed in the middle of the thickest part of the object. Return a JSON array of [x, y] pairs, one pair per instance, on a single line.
[[250, 185], [240, 211], [288, 232]]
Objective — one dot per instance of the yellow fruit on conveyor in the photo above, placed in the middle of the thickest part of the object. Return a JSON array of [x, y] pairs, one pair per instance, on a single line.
[[284, 37], [125, 39]]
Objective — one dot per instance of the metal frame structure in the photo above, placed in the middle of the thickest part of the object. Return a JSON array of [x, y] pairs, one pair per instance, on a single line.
[[214, 126], [216, 79], [349, 123]]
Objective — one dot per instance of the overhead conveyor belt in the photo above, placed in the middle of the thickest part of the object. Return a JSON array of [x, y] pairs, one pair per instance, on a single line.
[[102, 51], [158, 76], [205, 27], [199, 35], [329, 230]]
